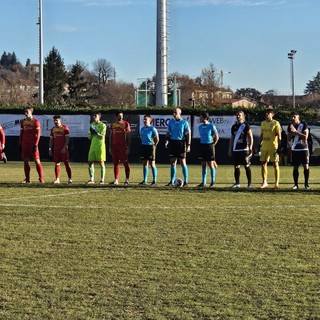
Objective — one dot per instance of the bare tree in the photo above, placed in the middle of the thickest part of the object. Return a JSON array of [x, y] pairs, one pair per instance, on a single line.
[[104, 70], [16, 93], [115, 94], [187, 87], [210, 76]]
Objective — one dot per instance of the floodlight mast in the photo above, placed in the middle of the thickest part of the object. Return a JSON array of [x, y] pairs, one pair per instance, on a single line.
[[291, 55], [40, 54], [161, 58], [221, 76]]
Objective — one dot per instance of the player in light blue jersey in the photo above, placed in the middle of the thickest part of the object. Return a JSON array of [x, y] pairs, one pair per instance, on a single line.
[[149, 140], [178, 140], [208, 139]]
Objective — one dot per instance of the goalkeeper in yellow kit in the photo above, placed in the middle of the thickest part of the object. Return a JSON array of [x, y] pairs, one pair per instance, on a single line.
[[97, 151], [270, 138]]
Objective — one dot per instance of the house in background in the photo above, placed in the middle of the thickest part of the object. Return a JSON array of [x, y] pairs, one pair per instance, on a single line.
[[242, 102]]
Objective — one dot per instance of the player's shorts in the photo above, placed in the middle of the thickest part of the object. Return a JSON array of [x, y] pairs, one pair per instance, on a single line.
[[300, 157], [28, 152], [177, 149], [96, 155], [269, 155], [242, 157], [60, 157], [119, 154], [147, 152], [207, 152]]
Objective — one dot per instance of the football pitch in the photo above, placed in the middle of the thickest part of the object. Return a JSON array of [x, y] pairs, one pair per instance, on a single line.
[[135, 252]]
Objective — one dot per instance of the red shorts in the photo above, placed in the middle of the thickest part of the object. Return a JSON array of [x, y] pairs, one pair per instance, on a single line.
[[28, 152], [119, 154], [60, 157]]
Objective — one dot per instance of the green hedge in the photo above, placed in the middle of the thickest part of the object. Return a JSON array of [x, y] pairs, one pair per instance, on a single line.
[[254, 115]]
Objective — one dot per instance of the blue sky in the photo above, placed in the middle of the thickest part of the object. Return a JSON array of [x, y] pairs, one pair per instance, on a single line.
[[249, 38]]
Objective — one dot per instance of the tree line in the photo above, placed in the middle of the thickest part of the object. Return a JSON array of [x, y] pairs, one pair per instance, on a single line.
[[77, 85]]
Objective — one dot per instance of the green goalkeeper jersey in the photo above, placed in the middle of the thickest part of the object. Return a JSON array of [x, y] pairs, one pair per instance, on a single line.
[[97, 138]]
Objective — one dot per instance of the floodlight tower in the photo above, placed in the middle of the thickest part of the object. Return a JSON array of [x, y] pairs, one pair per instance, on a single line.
[[221, 76], [40, 54], [291, 55], [161, 63]]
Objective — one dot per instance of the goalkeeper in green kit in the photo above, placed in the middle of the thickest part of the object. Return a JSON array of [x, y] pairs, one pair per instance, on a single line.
[[97, 151]]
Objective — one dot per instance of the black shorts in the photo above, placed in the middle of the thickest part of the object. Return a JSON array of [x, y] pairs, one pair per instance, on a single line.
[[300, 157], [177, 149], [241, 158], [207, 152], [147, 152]]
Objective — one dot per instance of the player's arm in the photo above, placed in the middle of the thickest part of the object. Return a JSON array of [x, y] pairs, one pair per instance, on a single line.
[[215, 136], [155, 137], [306, 133], [66, 142], [110, 141], [168, 135], [260, 140], [128, 141], [303, 134], [101, 134], [278, 137], [279, 134], [92, 130], [21, 134], [250, 140], [231, 144], [38, 134], [188, 140], [290, 134], [187, 131], [2, 137]]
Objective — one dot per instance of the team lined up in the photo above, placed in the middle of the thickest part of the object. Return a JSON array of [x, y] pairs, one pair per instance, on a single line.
[[178, 142], [241, 147]]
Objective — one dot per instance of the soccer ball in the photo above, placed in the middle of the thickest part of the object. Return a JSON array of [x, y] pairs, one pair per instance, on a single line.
[[178, 182]]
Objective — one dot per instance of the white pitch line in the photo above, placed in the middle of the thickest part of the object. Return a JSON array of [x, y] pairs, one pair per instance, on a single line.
[[95, 207], [52, 195], [146, 207]]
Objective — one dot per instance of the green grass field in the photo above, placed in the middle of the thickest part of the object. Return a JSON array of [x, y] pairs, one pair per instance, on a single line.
[[104, 252]]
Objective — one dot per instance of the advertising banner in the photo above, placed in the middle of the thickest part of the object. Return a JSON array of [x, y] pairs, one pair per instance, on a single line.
[[222, 123], [160, 122], [78, 124], [11, 123]]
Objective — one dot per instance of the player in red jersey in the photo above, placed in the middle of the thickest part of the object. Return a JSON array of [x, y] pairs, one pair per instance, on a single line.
[[58, 147], [3, 156], [119, 146], [28, 141]]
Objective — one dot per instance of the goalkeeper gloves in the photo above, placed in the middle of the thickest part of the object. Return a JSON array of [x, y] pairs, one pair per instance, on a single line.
[[93, 130]]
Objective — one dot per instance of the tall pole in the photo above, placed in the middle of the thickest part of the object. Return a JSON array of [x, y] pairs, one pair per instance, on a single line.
[[40, 54], [161, 58], [221, 77], [291, 55]]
